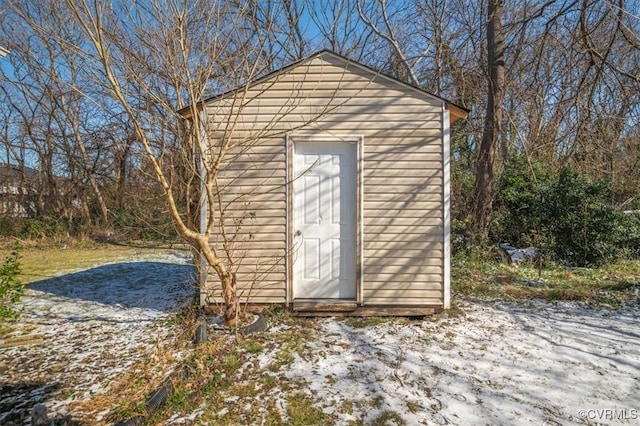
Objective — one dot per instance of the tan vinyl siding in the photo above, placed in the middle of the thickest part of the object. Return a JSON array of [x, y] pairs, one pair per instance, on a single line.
[[252, 178], [402, 176]]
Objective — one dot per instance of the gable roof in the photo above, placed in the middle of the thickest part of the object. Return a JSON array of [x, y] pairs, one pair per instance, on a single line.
[[457, 112]]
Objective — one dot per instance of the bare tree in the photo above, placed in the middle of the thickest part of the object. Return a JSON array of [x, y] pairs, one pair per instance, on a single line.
[[157, 57], [555, 80], [48, 91], [377, 16], [485, 168], [341, 29]]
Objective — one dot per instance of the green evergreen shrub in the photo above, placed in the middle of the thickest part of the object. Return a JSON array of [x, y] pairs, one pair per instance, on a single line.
[[567, 217], [11, 288], [585, 229], [631, 236], [518, 202], [462, 182]]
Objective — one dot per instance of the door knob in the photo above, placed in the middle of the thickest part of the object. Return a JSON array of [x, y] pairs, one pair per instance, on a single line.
[[298, 233]]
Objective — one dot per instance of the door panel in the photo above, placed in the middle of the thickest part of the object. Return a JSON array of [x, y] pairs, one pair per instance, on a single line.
[[324, 218]]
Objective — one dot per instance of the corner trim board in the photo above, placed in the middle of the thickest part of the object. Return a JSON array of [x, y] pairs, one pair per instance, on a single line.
[[202, 273], [446, 188]]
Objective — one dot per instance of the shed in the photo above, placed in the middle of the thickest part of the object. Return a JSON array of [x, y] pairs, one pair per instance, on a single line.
[[336, 195]]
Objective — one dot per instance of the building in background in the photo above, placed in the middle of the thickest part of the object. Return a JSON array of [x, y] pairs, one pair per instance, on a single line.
[[17, 190]]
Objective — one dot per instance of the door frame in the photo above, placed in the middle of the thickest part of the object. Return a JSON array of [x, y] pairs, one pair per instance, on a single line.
[[295, 138]]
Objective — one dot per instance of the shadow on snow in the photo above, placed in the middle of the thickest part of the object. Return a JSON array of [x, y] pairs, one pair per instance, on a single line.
[[157, 286]]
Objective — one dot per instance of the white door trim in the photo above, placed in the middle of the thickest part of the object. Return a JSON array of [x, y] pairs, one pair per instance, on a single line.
[[303, 137]]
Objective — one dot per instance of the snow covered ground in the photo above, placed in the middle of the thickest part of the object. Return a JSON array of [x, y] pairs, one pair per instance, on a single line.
[[507, 363], [81, 330], [485, 363]]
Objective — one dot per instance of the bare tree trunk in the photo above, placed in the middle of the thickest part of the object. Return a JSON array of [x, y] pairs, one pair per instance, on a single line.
[[121, 155], [92, 180], [485, 166]]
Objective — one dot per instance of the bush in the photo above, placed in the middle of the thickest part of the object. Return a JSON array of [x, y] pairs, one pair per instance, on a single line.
[[568, 218], [11, 288], [518, 218], [586, 230], [33, 228], [462, 183], [631, 237], [46, 227], [153, 225]]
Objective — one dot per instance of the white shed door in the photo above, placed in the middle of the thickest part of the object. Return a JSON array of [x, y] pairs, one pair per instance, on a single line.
[[324, 217]]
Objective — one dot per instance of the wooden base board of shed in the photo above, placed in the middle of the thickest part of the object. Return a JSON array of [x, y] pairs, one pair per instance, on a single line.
[[338, 308], [347, 308]]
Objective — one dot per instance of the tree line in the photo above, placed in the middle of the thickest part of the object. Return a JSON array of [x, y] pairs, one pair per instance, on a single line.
[[553, 83]]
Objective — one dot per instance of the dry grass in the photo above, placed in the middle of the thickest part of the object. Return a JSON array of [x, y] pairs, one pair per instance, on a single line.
[[226, 382], [611, 285], [126, 396], [225, 379], [45, 261]]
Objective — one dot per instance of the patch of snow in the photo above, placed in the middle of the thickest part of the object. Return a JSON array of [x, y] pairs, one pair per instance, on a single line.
[[93, 324], [102, 414], [188, 419], [497, 364], [266, 357], [279, 328]]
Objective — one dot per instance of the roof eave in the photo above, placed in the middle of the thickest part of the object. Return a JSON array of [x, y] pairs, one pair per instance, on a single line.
[[456, 112]]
